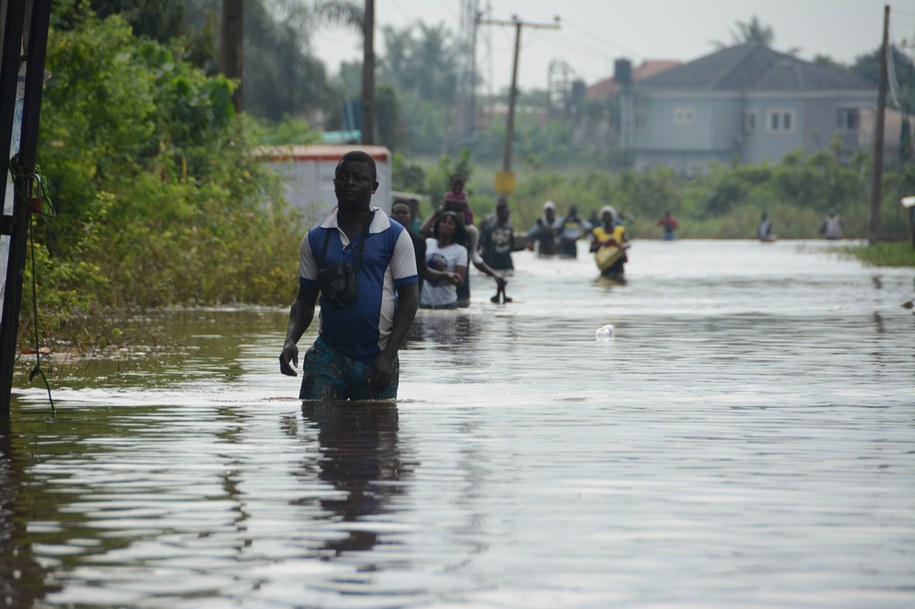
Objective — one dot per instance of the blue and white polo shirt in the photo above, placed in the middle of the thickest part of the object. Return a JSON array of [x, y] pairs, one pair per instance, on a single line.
[[361, 329]]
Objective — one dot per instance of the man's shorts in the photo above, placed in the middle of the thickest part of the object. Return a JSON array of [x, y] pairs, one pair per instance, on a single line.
[[330, 375]]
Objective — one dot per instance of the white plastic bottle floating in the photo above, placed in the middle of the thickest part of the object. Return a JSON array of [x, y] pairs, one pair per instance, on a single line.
[[605, 333]]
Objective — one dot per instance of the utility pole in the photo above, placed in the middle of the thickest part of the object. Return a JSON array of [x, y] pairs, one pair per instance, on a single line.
[[368, 74], [507, 178], [873, 232], [230, 51], [470, 19]]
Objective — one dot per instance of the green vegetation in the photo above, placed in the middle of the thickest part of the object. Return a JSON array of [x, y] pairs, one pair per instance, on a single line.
[[896, 254], [725, 204], [160, 201]]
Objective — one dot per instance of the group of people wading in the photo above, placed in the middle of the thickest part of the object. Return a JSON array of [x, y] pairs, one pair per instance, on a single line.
[[558, 236], [372, 273]]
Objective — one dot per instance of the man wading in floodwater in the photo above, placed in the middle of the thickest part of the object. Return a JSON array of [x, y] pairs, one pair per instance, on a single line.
[[365, 269]]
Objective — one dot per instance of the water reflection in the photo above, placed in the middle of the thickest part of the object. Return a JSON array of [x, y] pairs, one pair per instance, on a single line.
[[360, 457], [447, 329], [748, 392], [22, 580]]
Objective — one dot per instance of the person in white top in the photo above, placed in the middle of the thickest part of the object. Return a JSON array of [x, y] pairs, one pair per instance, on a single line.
[[445, 252], [832, 226]]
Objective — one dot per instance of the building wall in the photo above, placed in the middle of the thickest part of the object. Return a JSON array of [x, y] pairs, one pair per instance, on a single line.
[[689, 130]]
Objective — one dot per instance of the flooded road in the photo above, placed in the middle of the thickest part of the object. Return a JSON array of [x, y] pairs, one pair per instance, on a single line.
[[747, 439]]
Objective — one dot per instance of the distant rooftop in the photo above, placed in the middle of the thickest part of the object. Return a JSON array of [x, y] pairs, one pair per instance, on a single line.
[[610, 87], [754, 66]]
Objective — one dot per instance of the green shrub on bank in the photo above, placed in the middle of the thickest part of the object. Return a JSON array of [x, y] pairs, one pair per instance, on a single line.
[[726, 203], [158, 198], [895, 254]]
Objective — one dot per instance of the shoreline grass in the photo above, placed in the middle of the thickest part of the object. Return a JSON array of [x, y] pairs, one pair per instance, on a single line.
[[900, 254]]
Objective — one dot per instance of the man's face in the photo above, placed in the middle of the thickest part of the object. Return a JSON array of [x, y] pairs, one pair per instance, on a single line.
[[354, 185], [550, 213], [502, 213], [457, 185], [401, 213]]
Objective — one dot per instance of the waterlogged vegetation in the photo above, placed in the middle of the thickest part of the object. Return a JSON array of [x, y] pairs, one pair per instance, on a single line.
[[894, 254], [159, 201]]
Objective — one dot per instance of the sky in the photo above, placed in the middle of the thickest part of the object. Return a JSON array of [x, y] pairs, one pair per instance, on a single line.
[[593, 33]]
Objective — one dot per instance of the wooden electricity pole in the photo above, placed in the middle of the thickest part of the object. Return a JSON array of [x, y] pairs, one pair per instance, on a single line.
[[513, 94], [368, 74], [231, 58], [873, 231]]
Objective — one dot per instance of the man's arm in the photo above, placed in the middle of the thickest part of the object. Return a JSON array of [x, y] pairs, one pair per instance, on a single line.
[[383, 367], [488, 270], [301, 313]]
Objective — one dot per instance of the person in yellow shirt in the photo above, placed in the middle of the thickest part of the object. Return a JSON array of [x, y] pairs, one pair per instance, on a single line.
[[609, 244]]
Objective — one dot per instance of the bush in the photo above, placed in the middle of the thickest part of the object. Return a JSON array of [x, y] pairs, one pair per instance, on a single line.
[[159, 200]]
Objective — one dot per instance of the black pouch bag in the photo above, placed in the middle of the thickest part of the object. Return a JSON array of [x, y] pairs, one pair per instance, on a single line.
[[338, 284], [338, 281]]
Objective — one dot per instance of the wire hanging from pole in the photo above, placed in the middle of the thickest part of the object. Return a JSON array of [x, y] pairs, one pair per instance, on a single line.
[[32, 190]]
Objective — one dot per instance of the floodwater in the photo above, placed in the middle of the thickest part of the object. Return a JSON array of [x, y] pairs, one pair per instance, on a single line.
[[746, 440]]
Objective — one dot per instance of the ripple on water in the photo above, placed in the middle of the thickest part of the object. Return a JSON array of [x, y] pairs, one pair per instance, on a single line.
[[744, 441]]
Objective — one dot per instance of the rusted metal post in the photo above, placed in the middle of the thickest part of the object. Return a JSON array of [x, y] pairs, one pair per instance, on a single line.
[[37, 14]]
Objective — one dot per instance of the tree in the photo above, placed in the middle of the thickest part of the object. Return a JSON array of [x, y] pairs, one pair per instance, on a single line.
[[423, 70], [868, 67], [750, 32], [426, 65], [158, 198], [753, 32]]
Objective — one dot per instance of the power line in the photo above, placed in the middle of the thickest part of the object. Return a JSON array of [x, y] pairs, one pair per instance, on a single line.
[[603, 40]]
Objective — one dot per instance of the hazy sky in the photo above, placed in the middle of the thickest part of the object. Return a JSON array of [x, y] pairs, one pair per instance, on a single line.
[[595, 32]]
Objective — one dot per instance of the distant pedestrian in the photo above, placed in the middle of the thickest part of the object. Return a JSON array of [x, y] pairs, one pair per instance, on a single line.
[[457, 195], [764, 231], [609, 244], [669, 223], [498, 240], [832, 226], [571, 228], [446, 253], [543, 232], [401, 212]]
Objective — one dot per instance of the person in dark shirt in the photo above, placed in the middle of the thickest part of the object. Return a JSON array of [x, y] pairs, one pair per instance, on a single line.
[[498, 240], [543, 232]]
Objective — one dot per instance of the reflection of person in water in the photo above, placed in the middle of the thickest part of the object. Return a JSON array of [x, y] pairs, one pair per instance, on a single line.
[[360, 457]]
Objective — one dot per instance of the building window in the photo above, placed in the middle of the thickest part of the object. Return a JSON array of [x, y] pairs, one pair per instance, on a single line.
[[848, 119], [684, 115], [749, 121], [781, 121]]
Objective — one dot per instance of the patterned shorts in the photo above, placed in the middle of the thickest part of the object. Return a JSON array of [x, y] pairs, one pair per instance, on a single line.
[[330, 375]]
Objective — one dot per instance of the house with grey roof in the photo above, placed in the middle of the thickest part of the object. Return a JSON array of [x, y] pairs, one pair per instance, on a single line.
[[745, 103]]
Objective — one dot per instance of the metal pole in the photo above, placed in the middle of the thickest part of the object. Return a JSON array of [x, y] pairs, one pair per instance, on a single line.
[[36, 49], [873, 233], [9, 77]]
